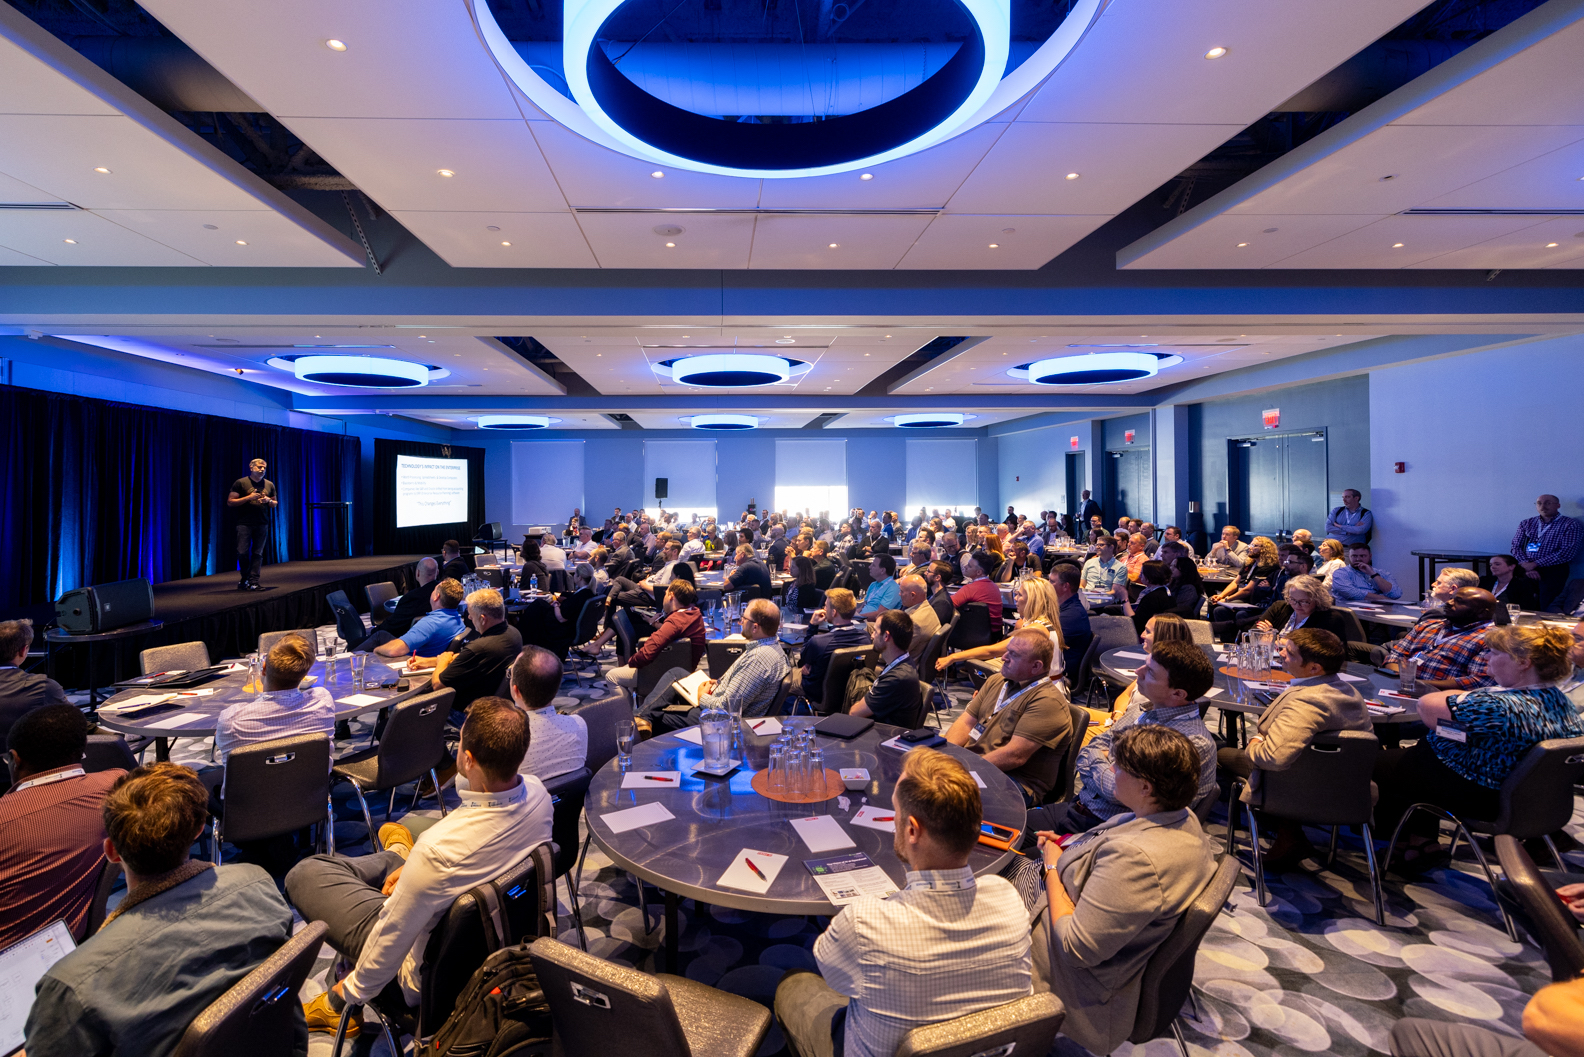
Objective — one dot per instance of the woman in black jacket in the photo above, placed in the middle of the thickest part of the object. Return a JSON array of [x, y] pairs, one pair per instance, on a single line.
[[1156, 597], [532, 566], [1509, 583], [1186, 587], [1305, 603]]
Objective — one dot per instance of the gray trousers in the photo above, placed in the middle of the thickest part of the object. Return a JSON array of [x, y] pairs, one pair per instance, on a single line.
[[806, 1005], [1412, 1037], [343, 893]]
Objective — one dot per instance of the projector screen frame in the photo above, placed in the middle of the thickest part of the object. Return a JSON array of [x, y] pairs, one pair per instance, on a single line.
[[386, 538]]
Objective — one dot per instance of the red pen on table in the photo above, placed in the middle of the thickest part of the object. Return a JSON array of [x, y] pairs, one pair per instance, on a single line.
[[755, 726], [757, 873], [657, 778], [883, 818]]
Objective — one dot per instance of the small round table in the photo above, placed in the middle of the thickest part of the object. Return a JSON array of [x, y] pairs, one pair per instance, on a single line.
[[717, 818]]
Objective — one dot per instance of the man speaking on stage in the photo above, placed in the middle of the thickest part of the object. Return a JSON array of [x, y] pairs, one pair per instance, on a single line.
[[253, 500]]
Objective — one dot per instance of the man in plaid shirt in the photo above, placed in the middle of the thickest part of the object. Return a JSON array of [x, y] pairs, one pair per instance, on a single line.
[[750, 684], [1545, 546], [1451, 651]]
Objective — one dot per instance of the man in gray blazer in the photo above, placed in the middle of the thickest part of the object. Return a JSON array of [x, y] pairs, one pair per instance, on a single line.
[[1317, 700]]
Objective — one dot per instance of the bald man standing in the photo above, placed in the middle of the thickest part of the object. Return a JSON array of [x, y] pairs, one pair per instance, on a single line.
[[1545, 546]]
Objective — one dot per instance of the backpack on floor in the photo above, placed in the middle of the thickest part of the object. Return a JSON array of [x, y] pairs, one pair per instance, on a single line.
[[502, 1013]]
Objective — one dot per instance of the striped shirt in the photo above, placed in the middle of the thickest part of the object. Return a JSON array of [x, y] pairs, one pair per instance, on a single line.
[[945, 946], [274, 714], [1097, 791], [752, 681], [1503, 725]]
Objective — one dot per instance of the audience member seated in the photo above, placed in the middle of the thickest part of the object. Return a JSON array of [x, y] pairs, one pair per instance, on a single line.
[[282, 710], [1573, 684], [1317, 700], [1545, 546], [749, 686], [682, 621], [749, 572], [1229, 549], [1328, 559], [1254, 587], [1360, 581], [804, 594], [21, 691], [476, 668], [554, 557], [1451, 650], [453, 565], [892, 695], [557, 744], [1305, 603], [1351, 523], [1105, 570], [183, 934], [1508, 583], [1169, 687], [584, 546], [926, 622], [824, 568], [1116, 892], [412, 605], [840, 605], [1163, 627], [1173, 546], [947, 945], [1072, 616], [1038, 608], [1019, 720], [1477, 737], [553, 622], [379, 915], [534, 569], [54, 829], [1156, 596], [1304, 540], [624, 594], [1446, 584], [1136, 556], [977, 587], [883, 593], [429, 635], [1186, 586], [951, 554]]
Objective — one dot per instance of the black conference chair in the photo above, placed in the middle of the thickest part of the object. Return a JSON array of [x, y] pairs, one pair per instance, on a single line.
[[412, 746], [973, 627], [1552, 927], [567, 794], [941, 602], [186, 656], [256, 1016], [1028, 1025], [277, 787], [722, 654], [106, 751], [109, 875], [843, 663], [933, 653], [678, 653], [349, 623], [1064, 789]]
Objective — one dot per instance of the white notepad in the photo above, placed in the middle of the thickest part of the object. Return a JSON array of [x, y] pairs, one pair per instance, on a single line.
[[688, 688], [739, 875], [1352, 678], [767, 727], [881, 818], [633, 817], [362, 699], [822, 833], [980, 782], [1130, 655], [693, 734], [659, 780]]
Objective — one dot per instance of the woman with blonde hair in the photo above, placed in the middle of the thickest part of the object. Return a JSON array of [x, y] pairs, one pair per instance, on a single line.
[[1037, 607], [1329, 559], [1305, 603]]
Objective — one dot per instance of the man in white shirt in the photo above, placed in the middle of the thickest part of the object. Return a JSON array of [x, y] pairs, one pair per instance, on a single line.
[[948, 945], [1229, 549], [557, 744], [282, 710], [584, 546], [381, 913], [694, 545], [553, 557], [1105, 570]]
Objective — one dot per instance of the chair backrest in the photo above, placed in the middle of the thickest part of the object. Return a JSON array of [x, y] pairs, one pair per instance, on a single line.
[[1555, 928], [588, 621], [933, 651], [1086, 668], [277, 787], [678, 653], [414, 739], [567, 793], [593, 1001], [626, 637], [462, 940], [972, 627], [109, 874], [1537, 797], [778, 702], [1079, 717], [378, 594], [722, 653], [1203, 634], [1355, 628], [1169, 972], [184, 656], [268, 639], [106, 751], [1027, 1026], [941, 602], [1113, 632], [257, 1016], [1329, 783], [349, 624], [601, 718], [843, 663], [494, 576]]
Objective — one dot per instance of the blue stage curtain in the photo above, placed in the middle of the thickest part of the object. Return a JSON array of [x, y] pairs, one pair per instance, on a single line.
[[95, 491]]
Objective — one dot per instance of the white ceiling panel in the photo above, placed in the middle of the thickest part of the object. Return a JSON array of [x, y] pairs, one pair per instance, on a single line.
[[95, 241], [920, 181], [1240, 240], [1554, 243], [213, 236], [1146, 58], [679, 420], [1401, 242], [593, 177], [17, 191], [11, 258], [963, 241], [496, 164], [1537, 85], [708, 240], [404, 58], [465, 240], [33, 88], [1551, 181], [860, 242], [1025, 172]]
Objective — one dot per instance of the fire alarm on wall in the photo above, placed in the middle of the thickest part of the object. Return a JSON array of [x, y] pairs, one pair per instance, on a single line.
[[1399, 467]]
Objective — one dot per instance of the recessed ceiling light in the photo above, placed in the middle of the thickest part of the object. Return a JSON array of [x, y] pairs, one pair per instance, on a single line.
[[505, 244], [1388, 176], [335, 45], [670, 245], [102, 169], [1241, 245], [1215, 52], [492, 227], [995, 245], [786, 341], [70, 242], [445, 172], [241, 242], [835, 245], [1551, 245], [1072, 176], [1397, 245], [867, 176], [657, 174]]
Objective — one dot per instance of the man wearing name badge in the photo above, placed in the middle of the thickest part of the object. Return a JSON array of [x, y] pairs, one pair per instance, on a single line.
[[1105, 570], [428, 636], [475, 668], [1351, 523], [1545, 546], [894, 696], [1019, 720], [883, 593], [840, 605], [1451, 651], [253, 500]]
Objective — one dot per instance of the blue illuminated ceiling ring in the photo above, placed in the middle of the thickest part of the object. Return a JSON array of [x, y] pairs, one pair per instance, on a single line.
[[929, 420], [723, 422], [514, 421], [730, 370], [1096, 368], [364, 372]]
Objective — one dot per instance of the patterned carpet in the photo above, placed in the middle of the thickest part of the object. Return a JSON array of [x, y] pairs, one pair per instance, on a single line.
[[1309, 973]]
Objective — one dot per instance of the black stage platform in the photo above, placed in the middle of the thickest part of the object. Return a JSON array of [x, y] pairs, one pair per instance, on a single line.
[[210, 609]]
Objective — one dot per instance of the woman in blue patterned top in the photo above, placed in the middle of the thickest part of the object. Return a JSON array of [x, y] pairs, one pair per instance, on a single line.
[[1478, 736]]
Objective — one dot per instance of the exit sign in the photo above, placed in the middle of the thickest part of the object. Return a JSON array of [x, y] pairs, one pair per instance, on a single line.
[[1271, 417], [1073, 443], [1127, 436]]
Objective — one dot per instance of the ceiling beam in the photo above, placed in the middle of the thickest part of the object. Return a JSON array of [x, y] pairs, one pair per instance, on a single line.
[[458, 404]]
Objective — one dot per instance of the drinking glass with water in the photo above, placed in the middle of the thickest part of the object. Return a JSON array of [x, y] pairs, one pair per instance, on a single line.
[[626, 733]]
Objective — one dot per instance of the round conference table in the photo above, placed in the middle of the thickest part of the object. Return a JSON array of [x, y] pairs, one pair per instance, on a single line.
[[201, 706], [716, 818]]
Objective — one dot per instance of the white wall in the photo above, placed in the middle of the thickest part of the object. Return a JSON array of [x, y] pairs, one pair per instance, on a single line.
[[1482, 435]]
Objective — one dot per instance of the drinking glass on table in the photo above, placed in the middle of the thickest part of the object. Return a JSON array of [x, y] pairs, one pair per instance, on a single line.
[[626, 733], [359, 662], [1513, 609], [1407, 674]]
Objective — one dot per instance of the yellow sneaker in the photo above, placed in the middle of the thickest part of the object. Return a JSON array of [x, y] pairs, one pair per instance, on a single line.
[[321, 1017], [393, 836]]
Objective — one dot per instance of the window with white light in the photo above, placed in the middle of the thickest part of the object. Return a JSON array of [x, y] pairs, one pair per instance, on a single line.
[[811, 477]]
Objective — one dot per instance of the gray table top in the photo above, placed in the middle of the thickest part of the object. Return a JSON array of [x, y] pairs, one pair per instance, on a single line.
[[717, 818], [1119, 667], [199, 714]]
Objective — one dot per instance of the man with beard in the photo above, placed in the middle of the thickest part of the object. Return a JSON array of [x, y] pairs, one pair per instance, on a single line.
[[1451, 651]]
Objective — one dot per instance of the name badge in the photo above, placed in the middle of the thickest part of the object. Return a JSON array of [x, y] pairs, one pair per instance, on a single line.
[[1531, 549], [1451, 734], [978, 731]]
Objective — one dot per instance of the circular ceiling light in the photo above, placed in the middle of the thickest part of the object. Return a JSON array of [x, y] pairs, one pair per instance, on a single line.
[[723, 422], [335, 45], [514, 421], [929, 420], [369, 372], [730, 370], [1094, 369]]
